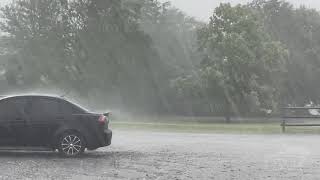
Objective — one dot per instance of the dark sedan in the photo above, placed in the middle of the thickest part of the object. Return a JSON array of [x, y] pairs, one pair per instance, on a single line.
[[34, 122]]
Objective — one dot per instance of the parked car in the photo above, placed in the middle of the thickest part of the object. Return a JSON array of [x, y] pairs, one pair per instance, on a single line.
[[45, 122]]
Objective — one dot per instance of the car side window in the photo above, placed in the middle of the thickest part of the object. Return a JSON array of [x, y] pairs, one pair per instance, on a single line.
[[45, 106], [16, 107], [69, 108], [3, 108]]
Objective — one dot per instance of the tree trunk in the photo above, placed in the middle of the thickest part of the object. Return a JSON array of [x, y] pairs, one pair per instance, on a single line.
[[227, 113]]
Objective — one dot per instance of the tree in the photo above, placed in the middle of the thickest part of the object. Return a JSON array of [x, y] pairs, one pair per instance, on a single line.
[[94, 48], [174, 36], [242, 66], [299, 30]]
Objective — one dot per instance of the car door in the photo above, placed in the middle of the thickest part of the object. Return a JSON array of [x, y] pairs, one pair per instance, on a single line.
[[44, 116], [7, 136], [16, 118]]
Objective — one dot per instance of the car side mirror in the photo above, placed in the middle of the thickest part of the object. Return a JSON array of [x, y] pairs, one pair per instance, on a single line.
[[107, 114]]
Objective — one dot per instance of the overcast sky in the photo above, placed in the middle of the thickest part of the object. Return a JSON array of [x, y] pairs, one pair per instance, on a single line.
[[202, 9]]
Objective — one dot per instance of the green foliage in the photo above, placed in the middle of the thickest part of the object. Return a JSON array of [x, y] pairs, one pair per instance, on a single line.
[[299, 30], [242, 64], [89, 47], [108, 52], [174, 38], [143, 55]]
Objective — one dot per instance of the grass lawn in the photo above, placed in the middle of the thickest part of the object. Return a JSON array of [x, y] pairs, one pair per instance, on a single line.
[[234, 128]]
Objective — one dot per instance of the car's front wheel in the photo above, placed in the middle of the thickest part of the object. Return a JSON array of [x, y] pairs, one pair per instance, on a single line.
[[71, 144]]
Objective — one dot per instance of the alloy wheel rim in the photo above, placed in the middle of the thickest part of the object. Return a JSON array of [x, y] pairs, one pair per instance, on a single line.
[[71, 145]]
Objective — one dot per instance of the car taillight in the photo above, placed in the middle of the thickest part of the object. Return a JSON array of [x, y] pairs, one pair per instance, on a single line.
[[102, 119]]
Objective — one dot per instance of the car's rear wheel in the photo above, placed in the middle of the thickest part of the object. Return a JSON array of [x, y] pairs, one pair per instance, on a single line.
[[71, 144]]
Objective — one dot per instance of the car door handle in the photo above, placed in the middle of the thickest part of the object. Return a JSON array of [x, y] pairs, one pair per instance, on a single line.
[[18, 121], [60, 118]]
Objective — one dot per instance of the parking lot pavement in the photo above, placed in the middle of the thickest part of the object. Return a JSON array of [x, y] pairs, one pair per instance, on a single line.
[[162, 156]]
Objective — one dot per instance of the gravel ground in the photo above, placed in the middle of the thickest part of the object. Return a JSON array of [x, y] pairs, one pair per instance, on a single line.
[[162, 156]]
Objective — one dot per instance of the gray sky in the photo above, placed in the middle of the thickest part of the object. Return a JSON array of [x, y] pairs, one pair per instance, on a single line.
[[202, 9]]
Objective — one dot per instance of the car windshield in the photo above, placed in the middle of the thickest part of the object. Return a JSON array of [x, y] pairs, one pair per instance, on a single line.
[[197, 89]]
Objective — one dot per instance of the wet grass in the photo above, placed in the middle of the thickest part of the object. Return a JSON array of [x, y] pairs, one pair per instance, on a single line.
[[216, 127]]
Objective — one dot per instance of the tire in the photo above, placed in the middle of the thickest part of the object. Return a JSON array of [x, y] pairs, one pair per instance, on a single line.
[[71, 144]]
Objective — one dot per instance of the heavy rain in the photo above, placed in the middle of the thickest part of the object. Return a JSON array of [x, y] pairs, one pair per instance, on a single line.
[[156, 89]]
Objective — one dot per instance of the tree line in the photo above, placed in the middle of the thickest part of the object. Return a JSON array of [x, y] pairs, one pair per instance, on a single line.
[[145, 56]]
